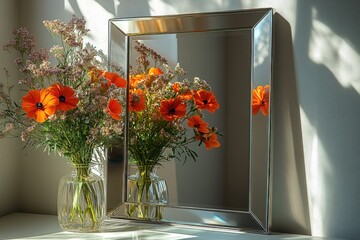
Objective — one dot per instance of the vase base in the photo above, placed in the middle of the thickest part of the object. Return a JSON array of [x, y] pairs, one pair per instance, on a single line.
[[81, 228], [145, 211]]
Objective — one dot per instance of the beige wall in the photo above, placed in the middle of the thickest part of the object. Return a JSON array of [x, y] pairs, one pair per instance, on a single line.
[[9, 154], [316, 106]]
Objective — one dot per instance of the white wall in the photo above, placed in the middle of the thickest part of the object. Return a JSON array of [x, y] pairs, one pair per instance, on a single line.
[[9, 154], [40, 172], [316, 96]]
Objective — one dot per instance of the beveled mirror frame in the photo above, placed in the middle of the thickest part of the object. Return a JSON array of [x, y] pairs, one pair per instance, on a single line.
[[259, 23]]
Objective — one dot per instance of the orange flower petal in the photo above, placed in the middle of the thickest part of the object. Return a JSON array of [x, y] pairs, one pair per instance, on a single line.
[[114, 109], [135, 80], [28, 106], [255, 109], [155, 71], [176, 87], [29, 100], [41, 116], [114, 78], [265, 109], [198, 123], [137, 101], [211, 142], [31, 114]]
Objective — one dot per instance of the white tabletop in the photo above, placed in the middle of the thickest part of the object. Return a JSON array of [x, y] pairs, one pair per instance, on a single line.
[[36, 226]]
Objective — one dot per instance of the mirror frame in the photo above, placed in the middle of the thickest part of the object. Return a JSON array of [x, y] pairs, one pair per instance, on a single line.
[[201, 22]]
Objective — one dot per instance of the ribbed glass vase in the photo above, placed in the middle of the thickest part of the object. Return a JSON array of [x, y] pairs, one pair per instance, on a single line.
[[81, 194], [81, 200]]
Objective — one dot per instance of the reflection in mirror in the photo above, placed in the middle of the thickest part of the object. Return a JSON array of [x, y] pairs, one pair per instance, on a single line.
[[231, 51]]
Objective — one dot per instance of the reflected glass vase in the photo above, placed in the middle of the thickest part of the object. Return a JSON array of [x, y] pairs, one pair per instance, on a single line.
[[81, 199], [147, 194]]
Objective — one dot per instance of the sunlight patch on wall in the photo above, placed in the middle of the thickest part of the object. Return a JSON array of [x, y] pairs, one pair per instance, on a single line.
[[329, 49], [158, 7], [316, 169], [288, 9], [97, 21]]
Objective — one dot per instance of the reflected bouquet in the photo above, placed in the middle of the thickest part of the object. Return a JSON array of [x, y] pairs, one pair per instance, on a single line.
[[166, 116], [70, 107], [162, 110]]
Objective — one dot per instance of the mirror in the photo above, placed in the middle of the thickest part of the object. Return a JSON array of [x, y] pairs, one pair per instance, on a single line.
[[227, 186]]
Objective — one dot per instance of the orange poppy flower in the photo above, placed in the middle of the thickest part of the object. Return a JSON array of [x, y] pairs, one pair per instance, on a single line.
[[114, 109], [135, 80], [210, 141], [39, 104], [115, 79], [172, 109], [155, 71], [137, 101], [260, 100], [66, 96], [198, 123], [206, 100]]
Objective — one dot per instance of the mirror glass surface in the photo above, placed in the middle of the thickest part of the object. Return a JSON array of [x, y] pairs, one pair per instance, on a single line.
[[232, 51]]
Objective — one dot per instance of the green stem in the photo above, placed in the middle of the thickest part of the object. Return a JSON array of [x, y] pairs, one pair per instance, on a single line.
[[143, 185], [90, 208], [83, 189]]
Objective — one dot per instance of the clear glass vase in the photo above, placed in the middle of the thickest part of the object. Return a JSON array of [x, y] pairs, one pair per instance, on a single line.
[[147, 194], [81, 200]]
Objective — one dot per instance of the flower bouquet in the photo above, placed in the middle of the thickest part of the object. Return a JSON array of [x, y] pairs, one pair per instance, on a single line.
[[166, 116], [72, 107]]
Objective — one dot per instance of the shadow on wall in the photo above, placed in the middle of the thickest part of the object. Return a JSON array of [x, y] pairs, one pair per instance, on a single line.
[[328, 56], [123, 8], [290, 210]]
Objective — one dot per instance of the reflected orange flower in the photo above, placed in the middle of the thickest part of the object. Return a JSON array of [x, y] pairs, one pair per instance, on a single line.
[[114, 78], [137, 100], [66, 96], [153, 74], [197, 123], [135, 80], [210, 141], [172, 109], [114, 109], [39, 104], [155, 71], [260, 100], [206, 100]]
